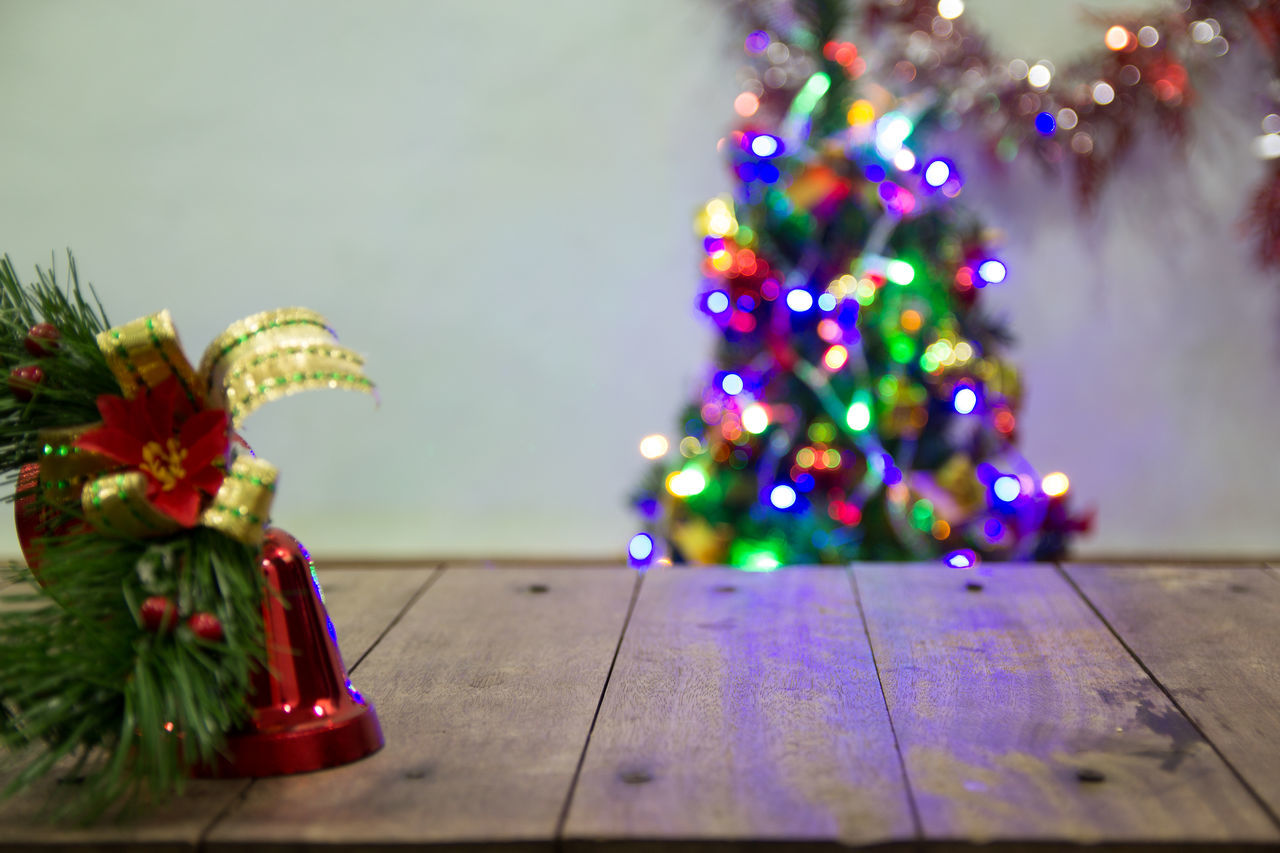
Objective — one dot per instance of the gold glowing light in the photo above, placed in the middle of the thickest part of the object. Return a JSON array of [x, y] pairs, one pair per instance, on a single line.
[[654, 446], [1055, 485], [1117, 38], [861, 112], [835, 357], [746, 104]]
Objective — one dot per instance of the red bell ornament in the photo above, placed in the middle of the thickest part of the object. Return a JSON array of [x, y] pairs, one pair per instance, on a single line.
[[306, 715]]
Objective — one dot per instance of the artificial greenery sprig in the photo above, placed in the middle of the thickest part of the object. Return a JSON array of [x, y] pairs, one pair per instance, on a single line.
[[96, 684]]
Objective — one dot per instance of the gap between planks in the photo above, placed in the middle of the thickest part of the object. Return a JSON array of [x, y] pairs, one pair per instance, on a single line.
[[1172, 660]]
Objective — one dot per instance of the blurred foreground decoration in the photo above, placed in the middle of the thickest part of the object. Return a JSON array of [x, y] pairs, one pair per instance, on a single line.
[[166, 631]]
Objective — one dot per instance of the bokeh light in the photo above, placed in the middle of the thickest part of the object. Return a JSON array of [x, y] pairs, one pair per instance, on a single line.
[[654, 446]]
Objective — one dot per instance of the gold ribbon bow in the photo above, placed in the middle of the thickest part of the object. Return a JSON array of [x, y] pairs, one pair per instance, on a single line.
[[256, 360]]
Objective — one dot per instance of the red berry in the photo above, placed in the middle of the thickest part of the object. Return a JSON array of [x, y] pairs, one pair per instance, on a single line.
[[42, 339], [205, 626], [158, 614], [23, 381]]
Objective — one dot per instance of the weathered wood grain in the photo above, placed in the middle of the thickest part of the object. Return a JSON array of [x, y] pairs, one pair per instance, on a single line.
[[486, 690], [360, 606], [1021, 718], [353, 595], [1212, 638], [742, 707]]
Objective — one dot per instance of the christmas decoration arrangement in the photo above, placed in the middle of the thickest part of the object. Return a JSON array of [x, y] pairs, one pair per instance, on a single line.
[[860, 405], [168, 631]]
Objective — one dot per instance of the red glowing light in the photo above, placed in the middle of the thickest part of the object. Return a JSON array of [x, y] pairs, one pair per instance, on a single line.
[[742, 322], [1005, 421]]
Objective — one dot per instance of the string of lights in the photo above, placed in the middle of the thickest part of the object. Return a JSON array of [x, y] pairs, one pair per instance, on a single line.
[[858, 406]]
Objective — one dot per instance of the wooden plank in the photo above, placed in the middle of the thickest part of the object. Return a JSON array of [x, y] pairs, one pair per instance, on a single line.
[[1020, 717], [742, 707], [360, 611], [350, 594], [486, 691], [1212, 638]]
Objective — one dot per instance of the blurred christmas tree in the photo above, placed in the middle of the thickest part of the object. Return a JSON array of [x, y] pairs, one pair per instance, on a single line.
[[859, 406]]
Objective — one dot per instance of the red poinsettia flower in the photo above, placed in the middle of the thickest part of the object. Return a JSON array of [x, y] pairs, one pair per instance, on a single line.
[[180, 448]]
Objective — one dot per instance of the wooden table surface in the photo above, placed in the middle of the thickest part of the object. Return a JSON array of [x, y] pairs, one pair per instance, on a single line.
[[905, 706]]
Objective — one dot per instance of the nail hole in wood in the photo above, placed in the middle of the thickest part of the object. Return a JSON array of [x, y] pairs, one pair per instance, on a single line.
[[728, 587], [539, 588], [1088, 774], [635, 777], [974, 586], [1238, 587], [418, 773]]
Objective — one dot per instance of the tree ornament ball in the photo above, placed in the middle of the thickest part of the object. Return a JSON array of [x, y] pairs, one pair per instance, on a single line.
[[206, 626], [42, 339], [24, 380], [159, 614]]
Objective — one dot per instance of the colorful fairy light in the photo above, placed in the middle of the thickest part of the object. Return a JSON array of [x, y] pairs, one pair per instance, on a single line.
[[937, 173], [1007, 488], [755, 419], [654, 446], [900, 272], [799, 300], [640, 548], [1055, 485], [859, 416], [993, 271], [782, 496], [827, 417]]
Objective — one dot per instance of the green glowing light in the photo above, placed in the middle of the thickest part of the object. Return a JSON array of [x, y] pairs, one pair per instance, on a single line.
[[823, 431], [901, 350], [859, 416], [888, 386], [810, 93], [899, 272]]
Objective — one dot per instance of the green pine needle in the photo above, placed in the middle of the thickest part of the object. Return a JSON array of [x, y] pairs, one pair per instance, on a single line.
[[85, 687]]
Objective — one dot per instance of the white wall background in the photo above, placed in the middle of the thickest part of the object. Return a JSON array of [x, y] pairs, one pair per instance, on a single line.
[[492, 201]]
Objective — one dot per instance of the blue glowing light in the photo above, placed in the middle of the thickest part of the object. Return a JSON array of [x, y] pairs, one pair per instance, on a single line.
[[1007, 488], [993, 528], [768, 173], [746, 302], [799, 300], [717, 301], [962, 559], [937, 173], [827, 301], [713, 245], [874, 173], [1046, 124], [782, 496], [992, 271], [965, 399], [765, 145], [641, 547], [805, 482], [757, 42], [732, 384], [892, 476]]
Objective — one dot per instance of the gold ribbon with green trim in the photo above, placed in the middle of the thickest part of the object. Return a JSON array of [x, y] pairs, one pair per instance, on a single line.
[[255, 360]]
